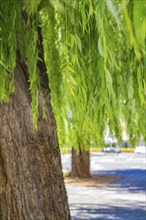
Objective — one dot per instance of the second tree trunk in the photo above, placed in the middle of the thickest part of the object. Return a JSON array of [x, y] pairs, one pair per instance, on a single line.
[[80, 163]]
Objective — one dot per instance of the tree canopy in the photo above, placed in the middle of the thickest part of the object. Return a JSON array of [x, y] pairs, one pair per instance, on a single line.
[[95, 56], [103, 71]]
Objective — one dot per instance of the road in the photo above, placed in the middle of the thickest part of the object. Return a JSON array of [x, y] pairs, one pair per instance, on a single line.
[[124, 199]]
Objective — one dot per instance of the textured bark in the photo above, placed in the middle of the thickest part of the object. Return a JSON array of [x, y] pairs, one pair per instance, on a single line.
[[80, 163], [31, 180]]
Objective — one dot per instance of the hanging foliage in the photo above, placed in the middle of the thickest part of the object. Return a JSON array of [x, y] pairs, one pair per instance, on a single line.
[[95, 56], [103, 71]]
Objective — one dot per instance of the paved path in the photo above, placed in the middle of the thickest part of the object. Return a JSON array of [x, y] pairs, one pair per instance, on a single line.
[[124, 199]]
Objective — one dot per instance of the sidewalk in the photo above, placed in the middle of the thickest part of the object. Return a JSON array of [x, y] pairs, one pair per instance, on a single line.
[[105, 203], [125, 199]]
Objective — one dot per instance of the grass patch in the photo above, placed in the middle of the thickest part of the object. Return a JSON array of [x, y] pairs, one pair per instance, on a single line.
[[127, 150], [65, 150]]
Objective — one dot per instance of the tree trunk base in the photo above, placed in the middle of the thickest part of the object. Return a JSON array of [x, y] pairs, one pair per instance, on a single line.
[[80, 163]]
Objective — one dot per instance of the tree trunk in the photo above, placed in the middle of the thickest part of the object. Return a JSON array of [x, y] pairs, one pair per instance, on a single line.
[[80, 163], [31, 179]]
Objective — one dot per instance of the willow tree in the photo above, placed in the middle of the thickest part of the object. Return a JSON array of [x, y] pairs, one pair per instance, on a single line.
[[104, 76], [31, 180], [55, 42]]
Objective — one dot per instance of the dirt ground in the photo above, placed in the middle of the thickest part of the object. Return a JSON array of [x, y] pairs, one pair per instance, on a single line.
[[96, 180]]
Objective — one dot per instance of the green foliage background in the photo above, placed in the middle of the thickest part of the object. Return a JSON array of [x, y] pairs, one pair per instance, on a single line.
[[95, 57]]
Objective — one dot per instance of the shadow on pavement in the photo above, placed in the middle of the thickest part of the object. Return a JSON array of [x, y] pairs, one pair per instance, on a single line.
[[133, 180], [101, 212]]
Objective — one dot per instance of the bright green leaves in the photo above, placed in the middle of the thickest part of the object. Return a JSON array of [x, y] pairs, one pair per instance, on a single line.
[[129, 27], [100, 47], [18, 33], [99, 76], [139, 21], [31, 6], [58, 5], [113, 10], [28, 41], [91, 9], [52, 48], [141, 85], [84, 15], [108, 79], [8, 26], [6, 83], [78, 42], [94, 52]]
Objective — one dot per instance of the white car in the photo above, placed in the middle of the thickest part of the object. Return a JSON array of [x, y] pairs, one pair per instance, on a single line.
[[140, 149], [111, 149]]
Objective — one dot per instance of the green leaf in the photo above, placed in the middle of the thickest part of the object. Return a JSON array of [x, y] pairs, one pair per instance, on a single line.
[[108, 80], [78, 41], [100, 47], [139, 20], [91, 8], [140, 85], [112, 9]]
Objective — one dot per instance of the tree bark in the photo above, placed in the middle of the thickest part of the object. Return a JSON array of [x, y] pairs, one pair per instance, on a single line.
[[80, 163], [31, 179]]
